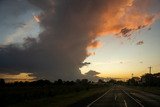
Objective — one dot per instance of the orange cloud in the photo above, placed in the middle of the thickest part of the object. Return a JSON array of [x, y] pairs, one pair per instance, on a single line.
[[122, 18], [94, 44], [37, 18], [125, 16], [91, 53]]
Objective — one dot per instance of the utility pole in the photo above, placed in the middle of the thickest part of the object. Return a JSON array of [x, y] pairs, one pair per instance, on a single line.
[[132, 75], [150, 69]]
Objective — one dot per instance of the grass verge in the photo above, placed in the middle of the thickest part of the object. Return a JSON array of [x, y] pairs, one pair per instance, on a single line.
[[153, 90], [64, 100]]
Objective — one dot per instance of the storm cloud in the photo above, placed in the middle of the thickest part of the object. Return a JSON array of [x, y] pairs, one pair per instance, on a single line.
[[70, 27]]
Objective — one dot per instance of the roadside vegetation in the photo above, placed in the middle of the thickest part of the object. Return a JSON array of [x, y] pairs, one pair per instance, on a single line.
[[45, 93], [147, 82], [74, 99]]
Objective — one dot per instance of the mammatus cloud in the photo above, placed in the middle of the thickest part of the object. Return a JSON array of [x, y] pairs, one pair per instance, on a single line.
[[71, 26]]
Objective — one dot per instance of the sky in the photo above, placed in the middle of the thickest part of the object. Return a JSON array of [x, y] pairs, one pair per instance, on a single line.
[[52, 39], [120, 57], [17, 22]]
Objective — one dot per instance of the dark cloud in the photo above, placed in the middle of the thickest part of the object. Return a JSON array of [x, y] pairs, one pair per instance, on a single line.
[[70, 26], [141, 62], [92, 73], [140, 42], [85, 63], [149, 28], [126, 32], [121, 62], [61, 48]]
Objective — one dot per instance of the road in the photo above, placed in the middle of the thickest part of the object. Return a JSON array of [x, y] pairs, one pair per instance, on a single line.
[[119, 96]]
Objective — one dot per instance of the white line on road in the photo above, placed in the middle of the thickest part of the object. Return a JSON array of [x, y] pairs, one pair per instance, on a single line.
[[134, 94], [125, 103], [98, 98], [133, 99], [138, 100], [115, 97]]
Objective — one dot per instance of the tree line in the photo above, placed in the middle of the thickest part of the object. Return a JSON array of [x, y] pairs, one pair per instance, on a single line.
[[152, 80], [11, 93]]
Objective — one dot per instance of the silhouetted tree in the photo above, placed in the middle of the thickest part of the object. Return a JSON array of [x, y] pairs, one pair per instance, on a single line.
[[132, 82], [120, 82], [78, 81], [151, 79], [58, 82], [2, 82], [112, 81], [84, 81], [100, 81]]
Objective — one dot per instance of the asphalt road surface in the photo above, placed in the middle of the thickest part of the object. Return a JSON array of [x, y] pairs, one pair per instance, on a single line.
[[119, 96]]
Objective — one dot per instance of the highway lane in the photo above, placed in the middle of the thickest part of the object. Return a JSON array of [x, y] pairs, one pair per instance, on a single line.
[[147, 99], [119, 96]]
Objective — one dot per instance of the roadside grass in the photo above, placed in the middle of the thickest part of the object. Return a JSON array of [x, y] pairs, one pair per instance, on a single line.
[[62, 100], [153, 90]]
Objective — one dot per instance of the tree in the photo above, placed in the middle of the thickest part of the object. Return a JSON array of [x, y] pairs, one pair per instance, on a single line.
[[132, 82], [112, 81], [84, 81], [100, 81], [2, 82], [147, 79]]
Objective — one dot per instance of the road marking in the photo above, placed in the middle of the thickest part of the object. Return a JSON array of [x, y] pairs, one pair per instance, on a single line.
[[125, 103], [115, 97], [138, 100], [98, 98], [133, 99]]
